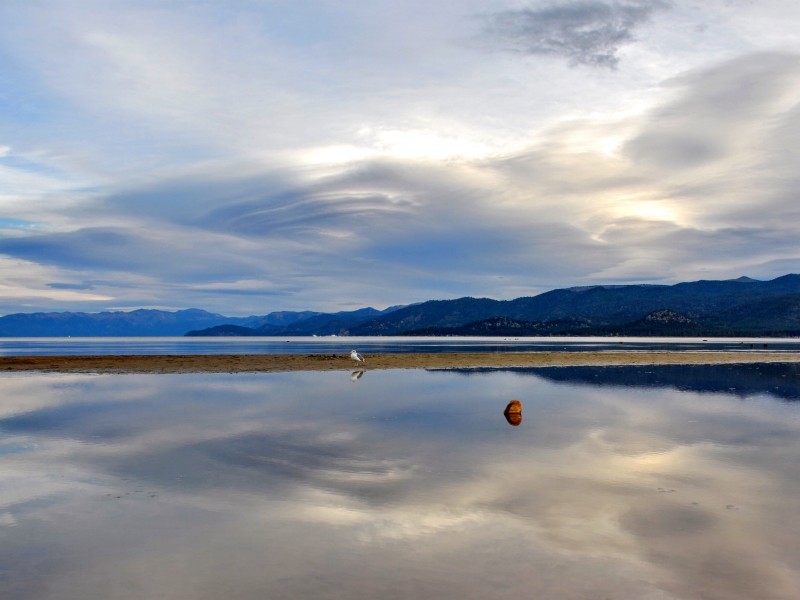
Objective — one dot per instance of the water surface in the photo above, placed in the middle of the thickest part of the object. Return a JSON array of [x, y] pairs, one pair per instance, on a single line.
[[332, 344], [631, 483]]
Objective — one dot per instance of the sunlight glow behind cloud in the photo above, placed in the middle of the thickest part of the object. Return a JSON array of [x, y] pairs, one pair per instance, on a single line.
[[381, 154]]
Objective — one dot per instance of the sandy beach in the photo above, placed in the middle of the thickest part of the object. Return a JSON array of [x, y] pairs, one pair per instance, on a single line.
[[250, 363]]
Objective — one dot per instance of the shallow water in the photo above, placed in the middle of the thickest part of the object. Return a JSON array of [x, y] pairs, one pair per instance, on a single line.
[[631, 483], [326, 345]]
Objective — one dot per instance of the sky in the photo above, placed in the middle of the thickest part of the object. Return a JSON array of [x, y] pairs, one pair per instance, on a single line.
[[250, 156]]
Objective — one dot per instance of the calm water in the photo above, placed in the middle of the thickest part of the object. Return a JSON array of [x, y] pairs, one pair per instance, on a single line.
[[624, 483], [306, 345]]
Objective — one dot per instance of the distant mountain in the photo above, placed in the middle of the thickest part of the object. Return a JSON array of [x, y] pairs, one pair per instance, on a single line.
[[772, 315], [735, 307], [134, 323], [505, 326], [278, 319], [732, 307], [339, 323], [663, 322], [742, 306], [233, 331]]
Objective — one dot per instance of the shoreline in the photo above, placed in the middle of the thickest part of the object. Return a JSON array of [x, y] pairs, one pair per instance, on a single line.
[[270, 363]]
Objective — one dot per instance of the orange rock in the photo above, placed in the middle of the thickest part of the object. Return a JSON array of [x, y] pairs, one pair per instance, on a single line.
[[513, 413]]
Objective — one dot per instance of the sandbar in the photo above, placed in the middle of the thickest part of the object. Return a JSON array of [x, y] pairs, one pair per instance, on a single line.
[[254, 363]]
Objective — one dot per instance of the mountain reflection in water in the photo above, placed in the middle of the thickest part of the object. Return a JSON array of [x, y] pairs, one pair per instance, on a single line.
[[645, 483], [781, 380]]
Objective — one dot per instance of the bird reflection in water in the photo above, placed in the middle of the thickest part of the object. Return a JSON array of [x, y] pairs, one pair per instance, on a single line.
[[513, 413], [356, 375]]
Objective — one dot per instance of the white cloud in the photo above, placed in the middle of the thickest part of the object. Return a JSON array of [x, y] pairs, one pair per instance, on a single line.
[[389, 158]]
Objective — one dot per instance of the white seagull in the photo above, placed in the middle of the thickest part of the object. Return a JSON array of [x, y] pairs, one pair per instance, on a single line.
[[356, 356]]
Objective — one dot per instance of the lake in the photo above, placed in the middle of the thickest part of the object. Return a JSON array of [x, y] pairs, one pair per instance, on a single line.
[[326, 345], [624, 483]]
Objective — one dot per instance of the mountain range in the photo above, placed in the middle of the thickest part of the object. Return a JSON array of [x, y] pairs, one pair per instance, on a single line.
[[133, 323], [736, 307]]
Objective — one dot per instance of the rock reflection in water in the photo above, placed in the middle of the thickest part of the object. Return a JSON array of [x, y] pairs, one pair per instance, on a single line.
[[406, 485]]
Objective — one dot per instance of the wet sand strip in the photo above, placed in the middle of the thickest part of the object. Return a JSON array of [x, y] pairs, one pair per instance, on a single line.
[[252, 363]]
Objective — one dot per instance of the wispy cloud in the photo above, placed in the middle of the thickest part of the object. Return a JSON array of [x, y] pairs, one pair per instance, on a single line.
[[70, 286], [592, 201], [586, 32], [255, 157]]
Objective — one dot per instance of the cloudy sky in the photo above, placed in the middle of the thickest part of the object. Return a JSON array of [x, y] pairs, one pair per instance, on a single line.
[[256, 155]]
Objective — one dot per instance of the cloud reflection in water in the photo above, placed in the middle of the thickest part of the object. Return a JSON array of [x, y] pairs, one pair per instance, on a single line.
[[303, 485]]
